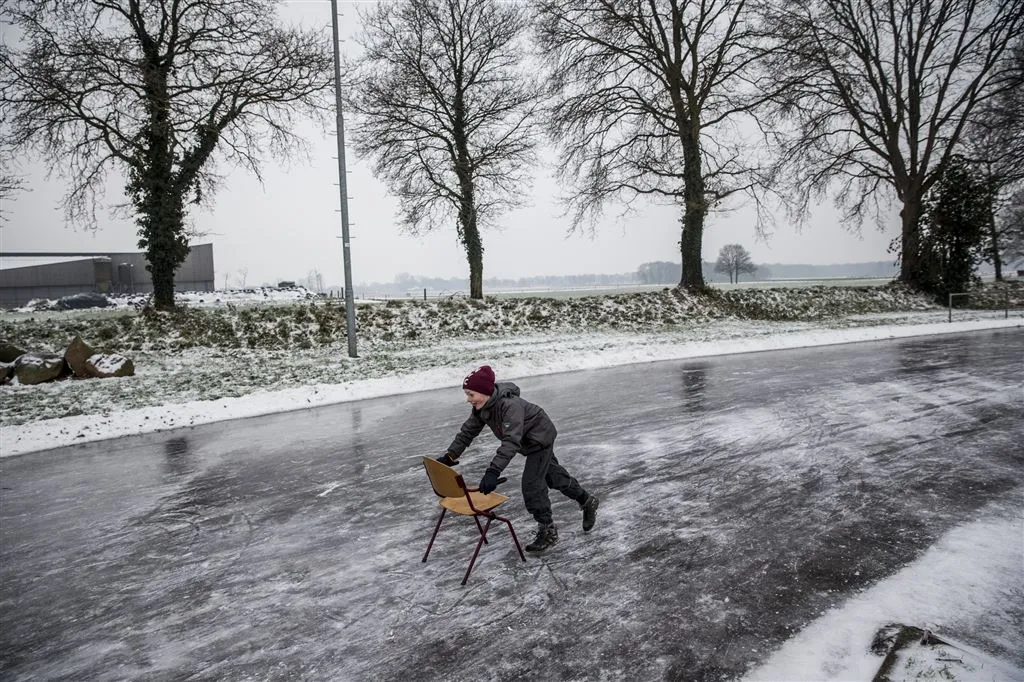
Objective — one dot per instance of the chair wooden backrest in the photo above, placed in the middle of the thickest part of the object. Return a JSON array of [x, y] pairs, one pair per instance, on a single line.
[[446, 481]]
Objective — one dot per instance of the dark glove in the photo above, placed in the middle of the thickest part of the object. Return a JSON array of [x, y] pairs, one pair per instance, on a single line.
[[448, 459], [489, 482]]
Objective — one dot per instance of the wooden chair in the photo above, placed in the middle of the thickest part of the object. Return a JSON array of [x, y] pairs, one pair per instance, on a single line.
[[458, 498]]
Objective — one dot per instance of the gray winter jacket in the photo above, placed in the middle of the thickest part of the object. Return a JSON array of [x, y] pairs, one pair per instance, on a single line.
[[521, 426]]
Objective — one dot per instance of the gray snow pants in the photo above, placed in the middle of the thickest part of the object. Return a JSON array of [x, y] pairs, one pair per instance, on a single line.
[[542, 471]]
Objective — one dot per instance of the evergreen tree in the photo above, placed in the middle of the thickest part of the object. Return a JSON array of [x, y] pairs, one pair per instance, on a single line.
[[952, 229]]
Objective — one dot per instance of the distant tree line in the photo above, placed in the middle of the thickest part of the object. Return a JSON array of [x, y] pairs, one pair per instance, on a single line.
[[664, 272], [405, 283], [653, 273], [667, 272]]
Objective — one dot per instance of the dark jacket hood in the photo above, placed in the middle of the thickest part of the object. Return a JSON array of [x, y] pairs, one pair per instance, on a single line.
[[504, 389]]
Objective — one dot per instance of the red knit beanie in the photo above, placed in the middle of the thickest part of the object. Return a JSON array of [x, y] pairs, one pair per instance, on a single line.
[[481, 381]]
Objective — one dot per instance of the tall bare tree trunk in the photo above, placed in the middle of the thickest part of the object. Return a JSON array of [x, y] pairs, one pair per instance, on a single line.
[[910, 241], [469, 232], [474, 247], [157, 199], [164, 228], [695, 210], [476, 271]]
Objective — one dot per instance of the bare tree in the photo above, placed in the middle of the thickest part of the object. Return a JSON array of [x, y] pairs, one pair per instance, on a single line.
[[447, 112], [734, 260], [881, 94], [994, 144], [162, 91], [652, 98], [10, 183], [243, 273]]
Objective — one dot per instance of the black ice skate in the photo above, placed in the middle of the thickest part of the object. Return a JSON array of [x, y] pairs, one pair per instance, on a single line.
[[547, 537]]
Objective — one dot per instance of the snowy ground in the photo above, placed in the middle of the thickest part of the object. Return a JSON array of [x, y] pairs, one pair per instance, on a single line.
[[966, 572]]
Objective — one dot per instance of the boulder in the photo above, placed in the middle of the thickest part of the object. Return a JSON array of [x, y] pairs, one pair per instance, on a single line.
[[78, 351], [9, 352], [81, 301], [912, 653], [106, 365], [6, 372], [36, 368]]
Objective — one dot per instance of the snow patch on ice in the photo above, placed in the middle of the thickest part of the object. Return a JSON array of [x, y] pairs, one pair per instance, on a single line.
[[959, 583]]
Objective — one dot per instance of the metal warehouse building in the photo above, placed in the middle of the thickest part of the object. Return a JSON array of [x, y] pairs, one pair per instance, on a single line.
[[105, 273]]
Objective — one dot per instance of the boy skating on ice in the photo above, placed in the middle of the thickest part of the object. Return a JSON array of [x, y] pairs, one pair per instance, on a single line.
[[525, 428]]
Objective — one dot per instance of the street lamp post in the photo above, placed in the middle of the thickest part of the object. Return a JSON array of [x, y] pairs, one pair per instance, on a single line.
[[350, 309]]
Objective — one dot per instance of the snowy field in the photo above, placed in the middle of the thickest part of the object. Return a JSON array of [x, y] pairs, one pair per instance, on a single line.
[[971, 570], [576, 292]]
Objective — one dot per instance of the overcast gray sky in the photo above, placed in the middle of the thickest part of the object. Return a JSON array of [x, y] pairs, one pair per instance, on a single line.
[[290, 225]]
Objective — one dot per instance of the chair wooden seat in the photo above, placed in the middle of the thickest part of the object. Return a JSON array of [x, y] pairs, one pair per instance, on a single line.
[[461, 505], [455, 496]]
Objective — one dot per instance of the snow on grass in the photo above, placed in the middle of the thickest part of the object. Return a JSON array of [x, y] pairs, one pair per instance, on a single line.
[[309, 323], [197, 366], [250, 296]]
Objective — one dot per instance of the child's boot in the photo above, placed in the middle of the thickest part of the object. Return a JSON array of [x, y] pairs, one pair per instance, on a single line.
[[547, 537], [589, 512]]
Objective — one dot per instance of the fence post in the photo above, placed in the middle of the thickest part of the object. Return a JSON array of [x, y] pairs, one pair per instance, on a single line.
[[951, 307], [424, 293], [1006, 305]]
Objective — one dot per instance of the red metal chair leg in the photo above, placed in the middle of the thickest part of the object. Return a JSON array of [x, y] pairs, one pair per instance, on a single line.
[[436, 528], [480, 528], [480, 542], [513, 532]]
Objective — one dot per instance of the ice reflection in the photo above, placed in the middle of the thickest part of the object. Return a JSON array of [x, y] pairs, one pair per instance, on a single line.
[[694, 385], [917, 358], [354, 450], [178, 458]]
